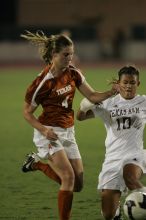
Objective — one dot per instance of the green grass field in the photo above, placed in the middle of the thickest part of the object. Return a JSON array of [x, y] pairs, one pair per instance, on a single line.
[[33, 196]]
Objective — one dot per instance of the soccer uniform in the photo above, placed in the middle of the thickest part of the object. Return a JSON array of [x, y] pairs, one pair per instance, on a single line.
[[55, 95], [124, 122]]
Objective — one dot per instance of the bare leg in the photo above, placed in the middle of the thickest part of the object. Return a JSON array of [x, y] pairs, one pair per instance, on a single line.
[[110, 202], [78, 170]]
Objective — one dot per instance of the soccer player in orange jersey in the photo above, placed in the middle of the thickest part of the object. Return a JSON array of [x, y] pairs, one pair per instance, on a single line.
[[54, 90]]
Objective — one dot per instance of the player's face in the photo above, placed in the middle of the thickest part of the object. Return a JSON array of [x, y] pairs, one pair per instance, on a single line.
[[64, 57], [128, 86]]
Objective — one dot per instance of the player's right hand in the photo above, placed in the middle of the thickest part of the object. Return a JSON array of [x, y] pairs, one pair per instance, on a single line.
[[50, 134]]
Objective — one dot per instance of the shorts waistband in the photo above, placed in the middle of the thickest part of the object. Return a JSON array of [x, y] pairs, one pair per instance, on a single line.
[[60, 129]]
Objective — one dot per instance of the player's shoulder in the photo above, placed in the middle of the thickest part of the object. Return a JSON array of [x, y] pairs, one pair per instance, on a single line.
[[44, 71], [45, 74], [76, 74], [140, 98], [74, 69], [111, 101]]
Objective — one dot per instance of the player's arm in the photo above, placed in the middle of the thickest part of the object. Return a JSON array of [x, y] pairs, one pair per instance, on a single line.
[[28, 113], [85, 110], [94, 96]]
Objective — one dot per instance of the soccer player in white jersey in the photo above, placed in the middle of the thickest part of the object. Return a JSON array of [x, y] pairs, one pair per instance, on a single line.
[[124, 118]]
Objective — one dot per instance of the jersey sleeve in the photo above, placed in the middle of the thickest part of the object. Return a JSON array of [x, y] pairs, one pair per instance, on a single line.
[[30, 93], [30, 96], [81, 79]]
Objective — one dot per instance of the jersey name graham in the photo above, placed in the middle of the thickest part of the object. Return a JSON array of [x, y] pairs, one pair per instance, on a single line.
[[123, 112], [64, 90]]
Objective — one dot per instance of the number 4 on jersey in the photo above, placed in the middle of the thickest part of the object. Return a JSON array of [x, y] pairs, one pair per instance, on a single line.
[[65, 102]]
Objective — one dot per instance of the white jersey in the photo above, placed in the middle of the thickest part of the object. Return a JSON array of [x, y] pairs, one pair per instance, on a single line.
[[124, 122]]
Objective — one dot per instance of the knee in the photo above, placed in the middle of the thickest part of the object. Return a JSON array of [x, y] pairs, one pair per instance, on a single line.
[[68, 177], [132, 174], [130, 181]]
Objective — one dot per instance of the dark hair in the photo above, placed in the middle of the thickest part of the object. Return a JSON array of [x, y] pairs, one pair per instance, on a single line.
[[48, 45], [128, 70]]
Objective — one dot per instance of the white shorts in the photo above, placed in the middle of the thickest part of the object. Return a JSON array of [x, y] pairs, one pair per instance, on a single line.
[[66, 140], [111, 176]]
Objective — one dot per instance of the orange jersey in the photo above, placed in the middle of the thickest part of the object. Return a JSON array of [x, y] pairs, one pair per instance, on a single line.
[[55, 95]]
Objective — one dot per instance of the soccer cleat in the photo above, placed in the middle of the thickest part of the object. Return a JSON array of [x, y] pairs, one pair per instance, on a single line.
[[30, 159]]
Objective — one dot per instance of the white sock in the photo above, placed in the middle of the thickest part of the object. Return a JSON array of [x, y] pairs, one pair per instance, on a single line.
[[117, 212]]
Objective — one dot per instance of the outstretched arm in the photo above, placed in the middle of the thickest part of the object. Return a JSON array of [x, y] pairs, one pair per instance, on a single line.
[[97, 97]]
